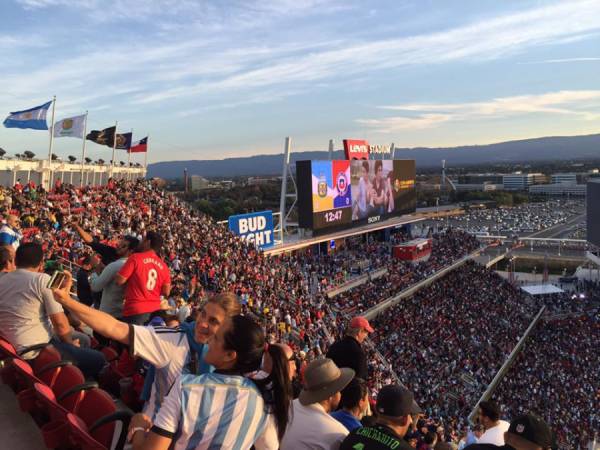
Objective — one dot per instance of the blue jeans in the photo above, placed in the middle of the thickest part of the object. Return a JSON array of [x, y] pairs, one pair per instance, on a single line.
[[89, 361]]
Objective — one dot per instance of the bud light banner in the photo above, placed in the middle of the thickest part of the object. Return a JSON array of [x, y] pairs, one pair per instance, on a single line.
[[256, 228]]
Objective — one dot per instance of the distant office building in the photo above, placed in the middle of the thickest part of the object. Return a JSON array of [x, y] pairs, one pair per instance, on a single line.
[[521, 181], [564, 178], [227, 184], [486, 186], [558, 189], [197, 182], [480, 178], [256, 181]]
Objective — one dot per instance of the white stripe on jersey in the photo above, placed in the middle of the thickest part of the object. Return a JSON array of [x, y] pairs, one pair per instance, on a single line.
[[235, 427], [256, 419], [216, 409]]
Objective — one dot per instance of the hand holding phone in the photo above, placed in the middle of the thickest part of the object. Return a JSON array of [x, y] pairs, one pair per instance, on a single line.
[[56, 280], [62, 288]]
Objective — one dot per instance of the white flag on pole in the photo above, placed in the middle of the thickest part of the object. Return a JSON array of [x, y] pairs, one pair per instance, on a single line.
[[71, 127]]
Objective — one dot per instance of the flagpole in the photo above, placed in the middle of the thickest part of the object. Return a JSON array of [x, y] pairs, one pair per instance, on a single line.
[[83, 149], [51, 143], [129, 156], [112, 167], [146, 155]]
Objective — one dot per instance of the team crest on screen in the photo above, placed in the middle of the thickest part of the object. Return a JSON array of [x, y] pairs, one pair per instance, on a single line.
[[342, 183], [342, 186], [322, 186]]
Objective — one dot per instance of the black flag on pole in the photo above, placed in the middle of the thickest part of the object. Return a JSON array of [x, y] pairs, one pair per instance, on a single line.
[[103, 137]]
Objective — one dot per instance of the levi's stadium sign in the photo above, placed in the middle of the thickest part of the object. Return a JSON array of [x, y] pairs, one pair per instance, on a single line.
[[360, 149]]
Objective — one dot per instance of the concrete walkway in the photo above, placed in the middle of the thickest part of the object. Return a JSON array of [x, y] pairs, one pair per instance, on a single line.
[[19, 431]]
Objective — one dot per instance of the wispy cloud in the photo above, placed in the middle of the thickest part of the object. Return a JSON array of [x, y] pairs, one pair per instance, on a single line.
[[189, 67], [564, 60], [484, 40], [582, 104]]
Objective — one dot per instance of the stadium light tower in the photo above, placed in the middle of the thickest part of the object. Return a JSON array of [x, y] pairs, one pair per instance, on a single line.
[[445, 178], [443, 181], [284, 212]]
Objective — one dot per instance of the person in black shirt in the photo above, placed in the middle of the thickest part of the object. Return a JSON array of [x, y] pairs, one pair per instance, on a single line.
[[84, 290], [107, 253], [395, 406], [348, 351]]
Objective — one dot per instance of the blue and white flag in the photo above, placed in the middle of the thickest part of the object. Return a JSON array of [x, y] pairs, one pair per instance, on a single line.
[[30, 118], [71, 127]]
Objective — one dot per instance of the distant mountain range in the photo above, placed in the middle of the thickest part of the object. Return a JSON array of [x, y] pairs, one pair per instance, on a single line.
[[527, 150]]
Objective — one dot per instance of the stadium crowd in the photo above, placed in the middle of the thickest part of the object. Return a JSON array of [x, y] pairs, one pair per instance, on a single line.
[[445, 343], [447, 247], [557, 377]]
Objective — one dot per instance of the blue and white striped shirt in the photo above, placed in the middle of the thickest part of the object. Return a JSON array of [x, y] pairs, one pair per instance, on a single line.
[[214, 411], [168, 350], [8, 236]]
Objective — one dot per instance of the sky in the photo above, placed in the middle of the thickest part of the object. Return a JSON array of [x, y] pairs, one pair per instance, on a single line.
[[224, 78]]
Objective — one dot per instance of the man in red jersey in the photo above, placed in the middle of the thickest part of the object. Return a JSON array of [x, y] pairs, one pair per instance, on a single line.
[[147, 277]]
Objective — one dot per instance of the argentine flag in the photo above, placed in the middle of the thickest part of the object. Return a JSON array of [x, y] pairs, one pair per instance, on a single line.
[[30, 118]]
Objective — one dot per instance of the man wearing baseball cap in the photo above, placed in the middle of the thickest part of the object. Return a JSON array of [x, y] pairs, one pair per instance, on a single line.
[[526, 432], [348, 351], [311, 427], [395, 406]]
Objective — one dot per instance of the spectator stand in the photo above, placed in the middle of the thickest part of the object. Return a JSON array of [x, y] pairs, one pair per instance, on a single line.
[[357, 281], [381, 307], [507, 364]]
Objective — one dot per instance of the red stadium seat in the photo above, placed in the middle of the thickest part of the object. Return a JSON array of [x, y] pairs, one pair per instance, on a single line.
[[61, 376], [7, 373], [10, 376], [80, 436], [25, 373], [7, 350], [47, 355], [99, 423], [26, 379], [105, 424], [109, 353], [55, 432], [107, 433]]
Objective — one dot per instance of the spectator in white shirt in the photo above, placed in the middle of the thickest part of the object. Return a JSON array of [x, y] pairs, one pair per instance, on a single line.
[[311, 426], [489, 417]]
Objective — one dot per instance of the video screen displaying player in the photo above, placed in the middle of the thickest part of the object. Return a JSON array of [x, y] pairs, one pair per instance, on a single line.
[[372, 188]]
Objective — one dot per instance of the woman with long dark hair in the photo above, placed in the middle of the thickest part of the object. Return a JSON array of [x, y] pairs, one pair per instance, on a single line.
[[237, 406]]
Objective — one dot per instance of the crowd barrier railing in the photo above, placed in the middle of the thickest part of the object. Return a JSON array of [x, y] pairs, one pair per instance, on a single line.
[[356, 281], [507, 364]]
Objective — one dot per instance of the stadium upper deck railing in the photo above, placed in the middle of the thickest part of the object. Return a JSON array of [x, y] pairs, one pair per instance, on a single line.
[[507, 364]]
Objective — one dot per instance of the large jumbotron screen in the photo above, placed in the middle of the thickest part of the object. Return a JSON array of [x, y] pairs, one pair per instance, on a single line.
[[342, 194]]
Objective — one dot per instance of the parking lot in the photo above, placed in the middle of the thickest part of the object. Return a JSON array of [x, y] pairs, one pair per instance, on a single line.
[[523, 220]]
